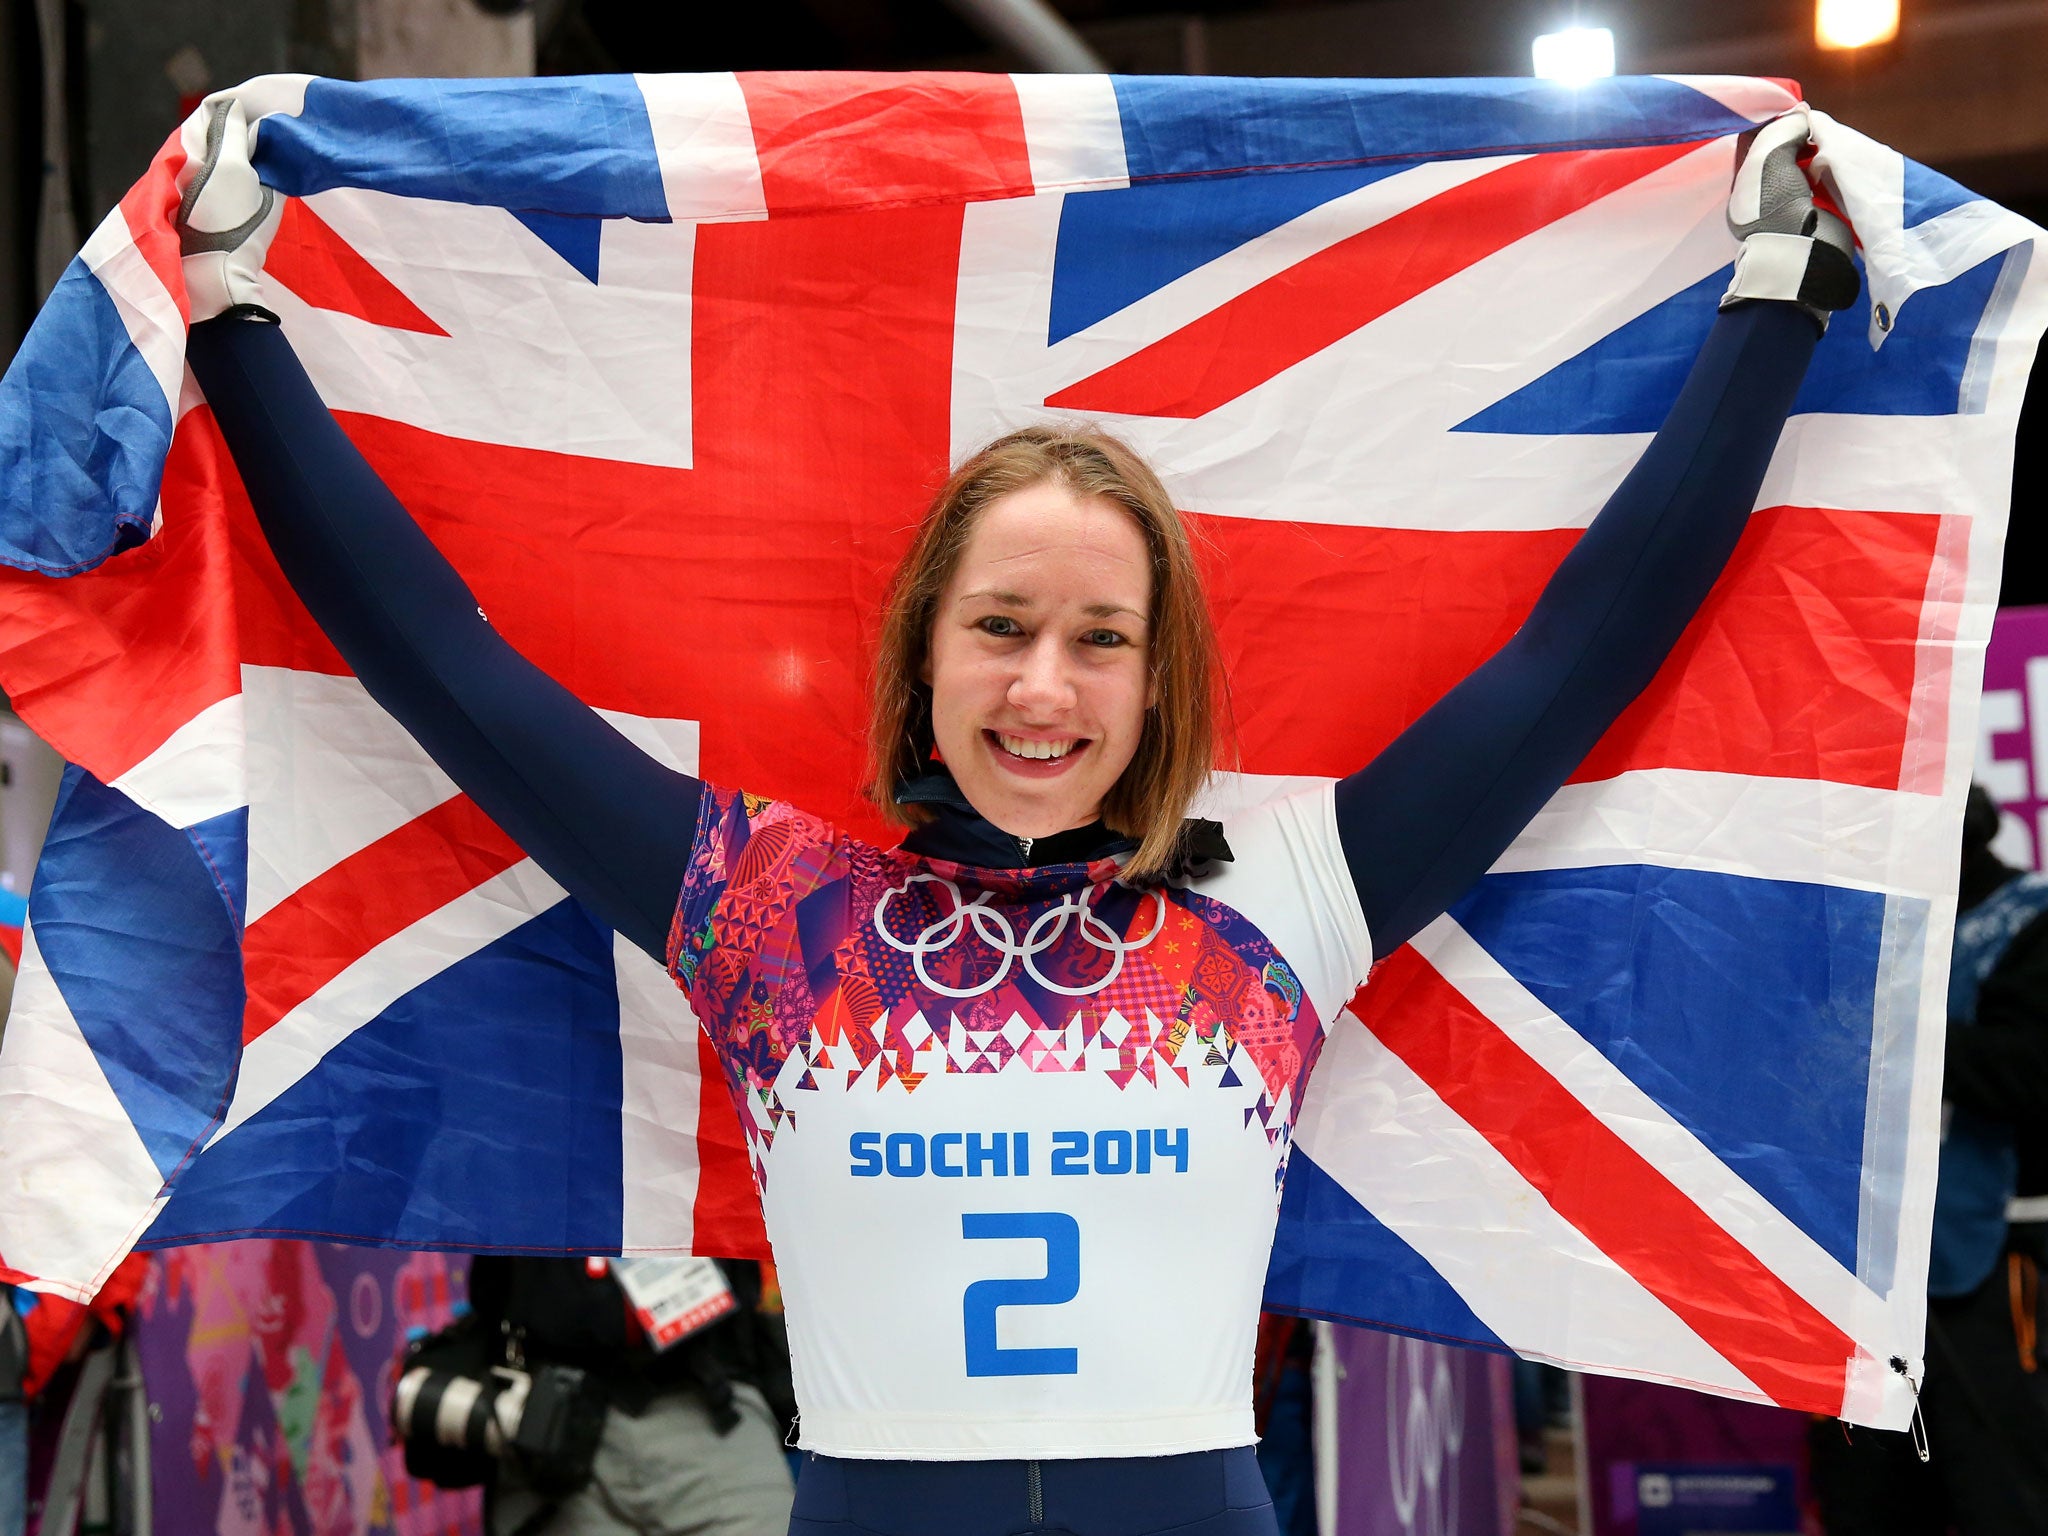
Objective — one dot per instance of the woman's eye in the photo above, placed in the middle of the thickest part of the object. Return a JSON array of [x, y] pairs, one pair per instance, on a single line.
[[1104, 637], [1001, 625]]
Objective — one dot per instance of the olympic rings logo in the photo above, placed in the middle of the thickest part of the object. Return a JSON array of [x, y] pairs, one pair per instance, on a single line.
[[1425, 1436], [993, 927]]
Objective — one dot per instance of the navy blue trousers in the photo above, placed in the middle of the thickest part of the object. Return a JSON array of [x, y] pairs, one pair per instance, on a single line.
[[1207, 1493]]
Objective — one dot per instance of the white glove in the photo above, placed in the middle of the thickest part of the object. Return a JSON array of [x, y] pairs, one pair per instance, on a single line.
[[226, 218], [1792, 249]]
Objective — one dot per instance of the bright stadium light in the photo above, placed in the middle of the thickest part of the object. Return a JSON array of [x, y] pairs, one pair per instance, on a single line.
[[1855, 23], [1575, 55]]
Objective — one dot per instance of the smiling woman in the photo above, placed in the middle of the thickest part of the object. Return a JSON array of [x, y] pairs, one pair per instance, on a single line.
[[1051, 931], [1047, 639]]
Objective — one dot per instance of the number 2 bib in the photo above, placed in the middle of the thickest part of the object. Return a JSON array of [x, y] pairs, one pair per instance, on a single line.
[[1019, 1133]]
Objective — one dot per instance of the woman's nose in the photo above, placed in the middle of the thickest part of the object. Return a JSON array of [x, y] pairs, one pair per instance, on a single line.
[[1043, 684]]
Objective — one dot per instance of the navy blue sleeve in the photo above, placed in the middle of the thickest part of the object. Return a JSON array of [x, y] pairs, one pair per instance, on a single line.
[[593, 810], [1428, 816]]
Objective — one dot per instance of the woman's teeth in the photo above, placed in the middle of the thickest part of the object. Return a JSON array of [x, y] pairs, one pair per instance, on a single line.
[[1017, 746]]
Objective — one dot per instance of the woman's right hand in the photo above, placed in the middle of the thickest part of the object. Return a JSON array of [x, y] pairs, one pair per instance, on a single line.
[[226, 217]]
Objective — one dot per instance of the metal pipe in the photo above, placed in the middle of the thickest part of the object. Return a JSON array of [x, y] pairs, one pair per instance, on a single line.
[[1035, 32]]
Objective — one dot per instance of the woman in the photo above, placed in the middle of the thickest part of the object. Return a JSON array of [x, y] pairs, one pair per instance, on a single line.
[[1019, 1296]]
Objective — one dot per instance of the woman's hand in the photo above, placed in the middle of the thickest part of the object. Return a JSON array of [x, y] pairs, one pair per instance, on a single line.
[[1793, 247], [226, 217]]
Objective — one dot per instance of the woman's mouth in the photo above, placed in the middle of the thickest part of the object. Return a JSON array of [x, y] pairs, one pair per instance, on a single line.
[[1035, 757]]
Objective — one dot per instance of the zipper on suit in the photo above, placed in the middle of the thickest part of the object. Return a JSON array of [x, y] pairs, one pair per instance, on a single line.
[[1034, 1489]]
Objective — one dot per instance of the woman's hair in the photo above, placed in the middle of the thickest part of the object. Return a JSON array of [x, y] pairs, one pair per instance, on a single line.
[[1178, 743]]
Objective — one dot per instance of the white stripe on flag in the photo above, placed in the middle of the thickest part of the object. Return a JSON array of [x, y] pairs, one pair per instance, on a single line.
[[1530, 1276], [1922, 464], [329, 774], [196, 774], [148, 310], [1073, 132], [1743, 95], [1679, 818], [1645, 1126], [1804, 830], [704, 140], [660, 1083], [77, 1185], [554, 361], [296, 1043], [670, 742]]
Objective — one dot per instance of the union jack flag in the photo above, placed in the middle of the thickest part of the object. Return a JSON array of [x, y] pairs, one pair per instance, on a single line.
[[1658, 1097]]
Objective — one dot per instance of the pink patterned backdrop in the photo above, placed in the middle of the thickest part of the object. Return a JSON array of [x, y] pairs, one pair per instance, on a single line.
[[269, 1367]]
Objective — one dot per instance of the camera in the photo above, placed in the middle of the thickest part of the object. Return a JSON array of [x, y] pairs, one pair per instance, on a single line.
[[456, 1422]]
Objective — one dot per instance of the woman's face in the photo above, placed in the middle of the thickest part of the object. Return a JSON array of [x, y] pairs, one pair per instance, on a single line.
[[1040, 667]]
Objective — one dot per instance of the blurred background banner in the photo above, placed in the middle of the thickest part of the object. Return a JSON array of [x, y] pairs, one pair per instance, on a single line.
[[2012, 733], [269, 1370], [1664, 1462], [1416, 1439]]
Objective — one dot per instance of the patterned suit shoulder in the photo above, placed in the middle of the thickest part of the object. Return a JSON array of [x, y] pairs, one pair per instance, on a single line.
[[751, 861]]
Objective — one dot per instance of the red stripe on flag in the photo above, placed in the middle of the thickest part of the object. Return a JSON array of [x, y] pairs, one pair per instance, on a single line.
[[10, 943], [1609, 1192], [726, 1219], [331, 921], [1801, 664], [1317, 302], [107, 664], [150, 209], [825, 140], [310, 259]]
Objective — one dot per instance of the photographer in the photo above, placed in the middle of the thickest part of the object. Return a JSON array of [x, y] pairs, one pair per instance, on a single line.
[[614, 1435]]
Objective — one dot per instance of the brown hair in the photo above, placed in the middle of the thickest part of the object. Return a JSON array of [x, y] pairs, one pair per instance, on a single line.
[[1178, 744]]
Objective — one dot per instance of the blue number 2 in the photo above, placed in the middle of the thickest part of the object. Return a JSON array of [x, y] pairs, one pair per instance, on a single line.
[[1061, 1235]]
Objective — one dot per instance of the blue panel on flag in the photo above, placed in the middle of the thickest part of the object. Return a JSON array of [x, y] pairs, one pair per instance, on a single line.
[[13, 908], [555, 146], [1116, 247], [575, 240], [1626, 381], [141, 943], [479, 1111], [223, 843], [1176, 126], [84, 428], [1696, 984], [1332, 1258], [1929, 194]]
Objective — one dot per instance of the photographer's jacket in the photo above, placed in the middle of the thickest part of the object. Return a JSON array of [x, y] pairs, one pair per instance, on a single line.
[[571, 1312]]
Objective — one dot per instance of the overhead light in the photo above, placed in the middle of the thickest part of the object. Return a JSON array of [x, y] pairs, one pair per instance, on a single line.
[[1855, 23], [1575, 55]]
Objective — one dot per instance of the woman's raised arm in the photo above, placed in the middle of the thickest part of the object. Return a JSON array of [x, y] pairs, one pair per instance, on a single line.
[[593, 810], [1428, 816]]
